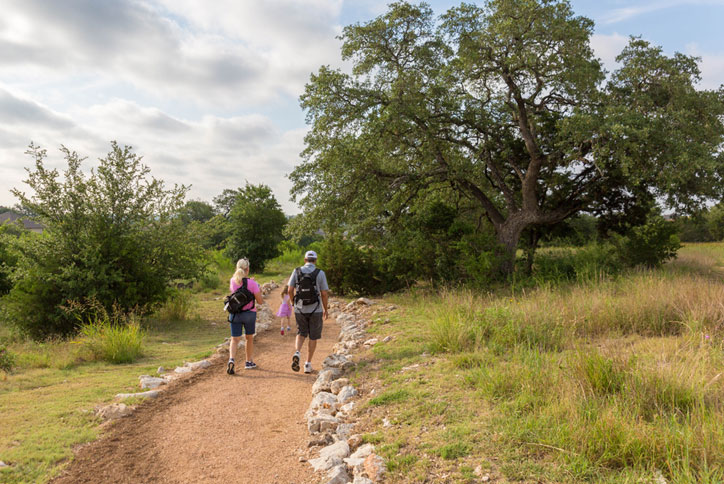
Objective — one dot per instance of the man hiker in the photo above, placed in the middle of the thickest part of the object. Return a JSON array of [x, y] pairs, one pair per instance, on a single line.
[[309, 291]]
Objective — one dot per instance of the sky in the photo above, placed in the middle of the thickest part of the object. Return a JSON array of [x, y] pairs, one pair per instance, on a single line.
[[208, 92]]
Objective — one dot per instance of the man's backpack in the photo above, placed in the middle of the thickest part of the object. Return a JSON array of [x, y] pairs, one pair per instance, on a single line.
[[234, 302], [306, 287]]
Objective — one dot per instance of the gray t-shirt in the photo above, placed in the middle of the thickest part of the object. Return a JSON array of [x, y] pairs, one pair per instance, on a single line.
[[321, 286]]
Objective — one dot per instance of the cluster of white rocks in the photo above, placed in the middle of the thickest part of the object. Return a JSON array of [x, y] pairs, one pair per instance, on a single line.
[[153, 384], [329, 416]]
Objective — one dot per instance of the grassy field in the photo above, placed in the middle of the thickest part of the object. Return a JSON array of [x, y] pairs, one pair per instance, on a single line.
[[47, 402], [608, 381]]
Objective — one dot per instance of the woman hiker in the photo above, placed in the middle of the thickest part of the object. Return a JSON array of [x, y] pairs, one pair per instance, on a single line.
[[244, 320]]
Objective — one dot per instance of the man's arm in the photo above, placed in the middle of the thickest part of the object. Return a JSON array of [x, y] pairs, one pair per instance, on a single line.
[[291, 295], [325, 303]]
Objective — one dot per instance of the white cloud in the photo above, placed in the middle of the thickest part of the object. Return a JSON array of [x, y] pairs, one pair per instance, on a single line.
[[608, 47], [210, 53], [632, 10], [211, 154]]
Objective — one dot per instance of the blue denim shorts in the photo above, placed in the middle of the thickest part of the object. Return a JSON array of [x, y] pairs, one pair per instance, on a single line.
[[245, 321]]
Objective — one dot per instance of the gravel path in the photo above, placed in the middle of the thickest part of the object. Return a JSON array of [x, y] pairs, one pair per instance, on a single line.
[[215, 428]]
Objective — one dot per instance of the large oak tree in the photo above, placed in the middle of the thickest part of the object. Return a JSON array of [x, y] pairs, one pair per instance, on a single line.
[[507, 105]]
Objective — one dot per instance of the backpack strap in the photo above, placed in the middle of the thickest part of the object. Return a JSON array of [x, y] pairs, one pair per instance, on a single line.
[[244, 284]]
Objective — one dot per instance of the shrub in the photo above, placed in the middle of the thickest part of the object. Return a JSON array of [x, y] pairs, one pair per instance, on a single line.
[[112, 236], [114, 336], [349, 269], [7, 359], [650, 244], [178, 307]]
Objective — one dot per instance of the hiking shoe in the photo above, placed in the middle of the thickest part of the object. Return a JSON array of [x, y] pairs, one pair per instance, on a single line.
[[295, 362], [308, 367], [249, 365], [230, 367]]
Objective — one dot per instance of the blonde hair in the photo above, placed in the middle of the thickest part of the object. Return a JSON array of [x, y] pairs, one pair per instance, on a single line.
[[242, 270]]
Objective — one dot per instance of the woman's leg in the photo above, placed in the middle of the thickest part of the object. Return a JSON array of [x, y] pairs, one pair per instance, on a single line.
[[233, 345], [249, 347]]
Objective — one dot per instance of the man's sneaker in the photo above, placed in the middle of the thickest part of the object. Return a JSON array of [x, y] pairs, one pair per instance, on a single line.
[[295, 361], [249, 365], [308, 367], [230, 367]]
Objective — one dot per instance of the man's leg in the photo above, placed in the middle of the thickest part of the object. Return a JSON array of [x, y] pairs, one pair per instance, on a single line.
[[310, 349], [299, 342]]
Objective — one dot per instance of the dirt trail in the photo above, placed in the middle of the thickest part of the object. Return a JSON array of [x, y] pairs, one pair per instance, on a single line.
[[215, 428]]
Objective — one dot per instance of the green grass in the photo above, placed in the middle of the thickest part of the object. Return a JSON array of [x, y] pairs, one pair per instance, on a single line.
[[48, 401], [605, 380]]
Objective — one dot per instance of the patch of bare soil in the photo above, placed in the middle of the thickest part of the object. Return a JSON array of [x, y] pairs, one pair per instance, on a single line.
[[213, 427]]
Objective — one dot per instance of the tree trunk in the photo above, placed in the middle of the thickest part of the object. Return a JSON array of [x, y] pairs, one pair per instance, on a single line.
[[508, 235], [530, 250]]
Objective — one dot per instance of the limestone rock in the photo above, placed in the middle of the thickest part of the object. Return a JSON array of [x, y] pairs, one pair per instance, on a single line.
[[151, 382], [160, 370], [323, 400], [371, 342], [114, 410], [359, 456], [325, 463], [346, 394], [325, 378], [361, 480], [374, 467], [3, 464], [148, 394], [338, 475], [347, 408], [197, 365], [321, 423], [338, 384], [343, 431], [337, 360], [354, 441], [182, 369]]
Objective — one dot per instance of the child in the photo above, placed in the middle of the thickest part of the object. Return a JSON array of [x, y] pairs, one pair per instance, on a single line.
[[285, 309]]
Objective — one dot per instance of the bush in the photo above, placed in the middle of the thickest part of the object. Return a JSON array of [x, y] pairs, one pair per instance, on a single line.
[[649, 245], [7, 360], [349, 269], [113, 337], [178, 307], [112, 237]]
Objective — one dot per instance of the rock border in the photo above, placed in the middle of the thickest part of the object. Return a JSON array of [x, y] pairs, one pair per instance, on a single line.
[[330, 423]]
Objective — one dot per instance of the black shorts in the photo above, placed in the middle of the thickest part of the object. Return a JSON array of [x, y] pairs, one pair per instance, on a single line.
[[309, 324]]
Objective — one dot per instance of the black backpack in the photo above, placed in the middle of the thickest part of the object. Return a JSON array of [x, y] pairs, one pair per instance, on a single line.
[[306, 287], [238, 299]]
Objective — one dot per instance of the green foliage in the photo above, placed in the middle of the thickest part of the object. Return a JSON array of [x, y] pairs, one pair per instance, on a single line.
[[8, 259], [349, 269], [115, 337], [180, 305], [257, 223], [504, 105], [649, 245], [706, 226], [7, 359], [113, 236], [196, 211]]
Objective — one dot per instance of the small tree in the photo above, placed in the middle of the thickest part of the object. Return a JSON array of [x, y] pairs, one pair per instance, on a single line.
[[113, 236], [257, 223]]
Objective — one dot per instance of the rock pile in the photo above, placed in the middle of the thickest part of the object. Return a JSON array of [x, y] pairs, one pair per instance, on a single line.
[[329, 416]]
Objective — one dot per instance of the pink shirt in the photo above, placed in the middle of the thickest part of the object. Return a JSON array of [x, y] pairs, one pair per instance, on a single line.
[[251, 285]]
